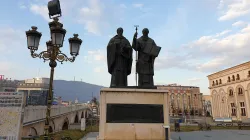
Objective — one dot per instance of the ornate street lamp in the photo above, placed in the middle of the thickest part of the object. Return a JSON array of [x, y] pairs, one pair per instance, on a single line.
[[53, 52]]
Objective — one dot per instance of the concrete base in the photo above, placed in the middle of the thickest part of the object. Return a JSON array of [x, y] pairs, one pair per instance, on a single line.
[[132, 131]]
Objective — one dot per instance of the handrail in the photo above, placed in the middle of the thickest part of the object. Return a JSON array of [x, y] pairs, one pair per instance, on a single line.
[[33, 113]]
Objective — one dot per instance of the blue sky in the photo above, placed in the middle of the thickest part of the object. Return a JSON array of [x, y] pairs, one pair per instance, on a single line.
[[198, 37]]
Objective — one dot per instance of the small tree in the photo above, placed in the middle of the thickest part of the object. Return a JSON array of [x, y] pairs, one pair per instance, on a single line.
[[208, 114], [185, 111], [95, 101], [192, 112], [179, 112]]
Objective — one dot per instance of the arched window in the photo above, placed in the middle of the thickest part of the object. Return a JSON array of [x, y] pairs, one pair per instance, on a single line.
[[213, 83], [220, 82], [229, 80], [248, 74], [233, 78], [231, 92], [216, 82], [240, 91], [238, 77]]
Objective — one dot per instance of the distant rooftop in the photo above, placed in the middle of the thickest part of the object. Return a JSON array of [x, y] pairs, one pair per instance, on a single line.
[[35, 83], [8, 83], [176, 85]]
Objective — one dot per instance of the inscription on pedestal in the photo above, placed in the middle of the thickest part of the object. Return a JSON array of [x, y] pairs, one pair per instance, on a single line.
[[134, 113]]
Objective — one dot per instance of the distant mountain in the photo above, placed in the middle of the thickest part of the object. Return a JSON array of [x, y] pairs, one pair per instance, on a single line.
[[70, 90]]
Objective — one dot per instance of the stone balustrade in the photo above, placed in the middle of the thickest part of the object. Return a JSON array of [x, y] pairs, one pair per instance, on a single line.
[[36, 113]]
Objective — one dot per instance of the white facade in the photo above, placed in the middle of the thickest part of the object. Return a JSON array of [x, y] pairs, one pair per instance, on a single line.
[[230, 91], [37, 80]]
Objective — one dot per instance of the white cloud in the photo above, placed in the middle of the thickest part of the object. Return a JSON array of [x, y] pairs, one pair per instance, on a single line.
[[194, 80], [137, 5], [41, 10], [222, 33], [208, 53], [5, 67], [98, 69], [123, 6], [97, 56], [110, 36], [160, 83], [212, 65], [92, 27], [239, 24], [98, 16], [235, 9], [11, 39], [221, 4], [91, 16], [22, 6], [220, 52]]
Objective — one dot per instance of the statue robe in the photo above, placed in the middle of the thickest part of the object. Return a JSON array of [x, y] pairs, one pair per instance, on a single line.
[[119, 59], [145, 63]]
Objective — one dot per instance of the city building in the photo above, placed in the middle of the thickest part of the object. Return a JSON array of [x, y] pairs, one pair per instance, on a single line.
[[184, 100], [35, 90], [11, 106], [60, 100], [8, 85], [229, 90], [207, 104], [76, 101], [66, 103]]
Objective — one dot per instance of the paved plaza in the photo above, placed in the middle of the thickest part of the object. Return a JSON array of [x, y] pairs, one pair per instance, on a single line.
[[90, 136], [212, 135], [199, 135]]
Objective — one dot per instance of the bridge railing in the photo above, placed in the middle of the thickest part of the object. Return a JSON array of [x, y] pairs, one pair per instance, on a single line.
[[34, 113]]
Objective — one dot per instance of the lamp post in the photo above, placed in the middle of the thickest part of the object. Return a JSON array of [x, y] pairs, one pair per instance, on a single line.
[[53, 52]]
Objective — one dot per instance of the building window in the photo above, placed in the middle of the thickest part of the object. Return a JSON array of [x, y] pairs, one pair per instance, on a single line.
[[248, 74], [220, 82], [240, 91], [238, 77], [229, 80], [231, 92], [233, 78], [216, 82], [213, 83], [233, 109], [242, 109]]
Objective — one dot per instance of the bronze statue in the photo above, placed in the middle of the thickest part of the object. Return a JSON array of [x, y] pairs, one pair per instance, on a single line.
[[119, 58], [147, 52]]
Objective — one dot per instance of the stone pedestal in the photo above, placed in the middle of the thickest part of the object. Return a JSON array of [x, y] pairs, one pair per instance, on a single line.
[[133, 130]]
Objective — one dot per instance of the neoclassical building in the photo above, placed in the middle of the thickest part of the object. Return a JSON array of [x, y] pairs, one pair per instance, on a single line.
[[230, 91], [184, 100]]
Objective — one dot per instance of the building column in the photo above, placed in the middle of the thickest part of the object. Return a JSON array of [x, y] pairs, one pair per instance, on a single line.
[[237, 106], [220, 106], [228, 110], [247, 106], [213, 105]]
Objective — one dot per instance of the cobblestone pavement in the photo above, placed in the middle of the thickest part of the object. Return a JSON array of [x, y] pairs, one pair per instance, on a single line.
[[199, 135], [212, 135], [91, 136]]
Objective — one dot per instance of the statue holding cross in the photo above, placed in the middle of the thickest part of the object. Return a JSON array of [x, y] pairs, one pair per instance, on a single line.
[[119, 59], [147, 52]]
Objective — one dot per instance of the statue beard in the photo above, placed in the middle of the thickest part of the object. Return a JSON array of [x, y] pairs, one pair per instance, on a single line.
[[144, 38]]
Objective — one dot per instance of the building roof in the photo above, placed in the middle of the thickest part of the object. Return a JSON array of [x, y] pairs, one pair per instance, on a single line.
[[231, 68], [176, 86], [9, 83]]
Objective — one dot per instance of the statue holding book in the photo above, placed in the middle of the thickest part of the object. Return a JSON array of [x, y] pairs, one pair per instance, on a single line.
[[147, 52]]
